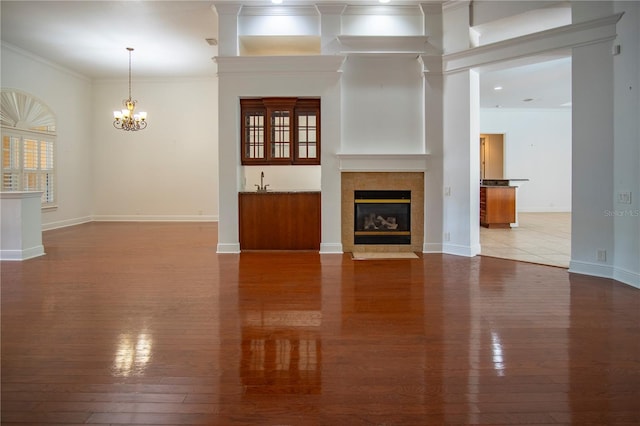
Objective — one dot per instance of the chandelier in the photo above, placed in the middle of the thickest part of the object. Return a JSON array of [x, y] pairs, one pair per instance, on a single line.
[[127, 119]]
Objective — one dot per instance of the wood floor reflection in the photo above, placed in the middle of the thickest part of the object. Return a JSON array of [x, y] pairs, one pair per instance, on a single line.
[[143, 323]]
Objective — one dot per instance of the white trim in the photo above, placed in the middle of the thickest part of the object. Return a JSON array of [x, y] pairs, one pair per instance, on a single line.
[[589, 268], [20, 195], [23, 254], [228, 248], [383, 10], [627, 277], [331, 248], [449, 5], [382, 162], [432, 248], [380, 45], [458, 250], [234, 65], [294, 10], [565, 37], [155, 218], [65, 223], [44, 61], [546, 209]]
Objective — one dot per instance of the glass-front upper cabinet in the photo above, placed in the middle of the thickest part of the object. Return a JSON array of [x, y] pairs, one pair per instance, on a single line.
[[280, 131]]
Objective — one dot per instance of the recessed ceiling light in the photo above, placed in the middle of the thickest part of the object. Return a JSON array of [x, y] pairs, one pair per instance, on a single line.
[[527, 100], [384, 1], [276, 1], [211, 41], [497, 88], [566, 104]]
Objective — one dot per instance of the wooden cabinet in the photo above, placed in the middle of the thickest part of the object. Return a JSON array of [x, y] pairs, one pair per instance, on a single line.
[[497, 206], [279, 220], [283, 131]]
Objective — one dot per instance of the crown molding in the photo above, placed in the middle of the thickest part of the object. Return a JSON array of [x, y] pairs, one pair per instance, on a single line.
[[565, 37]]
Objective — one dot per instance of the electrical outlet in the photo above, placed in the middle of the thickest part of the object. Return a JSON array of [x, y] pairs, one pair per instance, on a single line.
[[447, 191], [624, 197], [602, 255], [447, 236]]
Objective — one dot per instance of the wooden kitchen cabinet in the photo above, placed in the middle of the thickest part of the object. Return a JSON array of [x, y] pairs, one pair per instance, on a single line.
[[497, 206]]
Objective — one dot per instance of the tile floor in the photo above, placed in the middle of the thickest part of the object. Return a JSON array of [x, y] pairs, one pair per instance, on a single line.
[[543, 238]]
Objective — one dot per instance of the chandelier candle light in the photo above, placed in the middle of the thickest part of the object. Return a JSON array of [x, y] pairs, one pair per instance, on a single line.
[[127, 119]]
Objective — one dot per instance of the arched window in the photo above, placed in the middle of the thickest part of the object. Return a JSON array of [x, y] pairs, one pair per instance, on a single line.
[[28, 145]]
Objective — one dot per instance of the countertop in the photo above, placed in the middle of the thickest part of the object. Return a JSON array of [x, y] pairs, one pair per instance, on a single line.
[[275, 191]]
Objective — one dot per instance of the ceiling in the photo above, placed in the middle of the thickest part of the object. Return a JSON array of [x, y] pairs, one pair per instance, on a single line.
[[169, 38]]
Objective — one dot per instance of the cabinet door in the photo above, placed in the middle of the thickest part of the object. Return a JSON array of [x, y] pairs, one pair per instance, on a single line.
[[253, 138], [307, 145], [280, 132]]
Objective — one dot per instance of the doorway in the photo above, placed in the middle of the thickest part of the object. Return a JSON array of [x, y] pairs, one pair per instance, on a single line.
[[491, 156]]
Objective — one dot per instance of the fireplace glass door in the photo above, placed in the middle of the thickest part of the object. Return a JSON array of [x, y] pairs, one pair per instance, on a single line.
[[382, 217]]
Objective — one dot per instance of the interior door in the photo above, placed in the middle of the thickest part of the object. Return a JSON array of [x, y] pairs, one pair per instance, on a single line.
[[491, 156]]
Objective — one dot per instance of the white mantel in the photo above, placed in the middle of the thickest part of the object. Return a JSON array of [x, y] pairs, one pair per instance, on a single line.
[[21, 231], [382, 162]]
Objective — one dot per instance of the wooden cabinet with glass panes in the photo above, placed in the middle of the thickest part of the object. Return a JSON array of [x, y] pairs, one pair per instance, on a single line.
[[280, 131]]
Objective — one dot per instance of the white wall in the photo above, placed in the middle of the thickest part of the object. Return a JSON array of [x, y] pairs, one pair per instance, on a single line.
[[282, 178], [167, 171], [383, 104], [537, 146], [69, 97]]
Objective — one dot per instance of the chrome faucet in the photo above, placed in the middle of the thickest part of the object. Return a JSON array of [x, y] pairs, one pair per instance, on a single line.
[[262, 187]]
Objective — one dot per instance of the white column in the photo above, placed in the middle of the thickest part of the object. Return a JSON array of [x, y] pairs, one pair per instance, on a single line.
[[330, 27], [592, 238], [460, 150], [227, 28], [21, 231]]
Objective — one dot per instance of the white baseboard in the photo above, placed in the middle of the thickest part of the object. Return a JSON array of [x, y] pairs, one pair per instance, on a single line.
[[559, 209], [228, 248], [155, 218], [331, 248], [458, 250], [64, 223], [432, 248], [23, 254], [590, 268], [627, 277], [605, 271]]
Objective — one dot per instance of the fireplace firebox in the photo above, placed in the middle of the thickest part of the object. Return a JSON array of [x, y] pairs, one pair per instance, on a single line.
[[382, 217]]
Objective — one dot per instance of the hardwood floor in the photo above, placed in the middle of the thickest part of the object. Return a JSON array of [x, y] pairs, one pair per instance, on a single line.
[[143, 323]]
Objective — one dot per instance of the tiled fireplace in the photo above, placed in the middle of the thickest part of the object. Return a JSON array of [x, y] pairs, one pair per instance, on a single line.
[[396, 191]]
